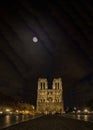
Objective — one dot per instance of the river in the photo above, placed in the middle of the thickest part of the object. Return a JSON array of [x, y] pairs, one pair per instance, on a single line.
[[80, 117], [9, 120]]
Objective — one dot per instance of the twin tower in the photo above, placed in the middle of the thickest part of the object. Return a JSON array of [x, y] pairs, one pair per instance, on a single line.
[[50, 100]]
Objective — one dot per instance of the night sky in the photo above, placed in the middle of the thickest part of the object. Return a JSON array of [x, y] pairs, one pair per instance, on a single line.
[[64, 48]]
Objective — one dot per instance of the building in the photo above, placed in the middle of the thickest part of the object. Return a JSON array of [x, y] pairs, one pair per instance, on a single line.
[[50, 100]]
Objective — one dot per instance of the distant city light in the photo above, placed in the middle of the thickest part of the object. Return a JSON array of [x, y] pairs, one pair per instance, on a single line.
[[86, 117], [79, 111], [1, 112], [26, 112], [7, 110], [10, 112], [86, 110], [35, 39], [73, 111], [33, 107], [75, 108], [17, 111]]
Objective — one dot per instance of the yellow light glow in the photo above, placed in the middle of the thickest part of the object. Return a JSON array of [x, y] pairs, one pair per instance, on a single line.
[[33, 107], [7, 110], [1, 112], [17, 111], [11, 112], [26, 112], [86, 117], [78, 111], [86, 110]]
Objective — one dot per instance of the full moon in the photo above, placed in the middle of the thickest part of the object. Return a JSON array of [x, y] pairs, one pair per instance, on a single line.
[[35, 39]]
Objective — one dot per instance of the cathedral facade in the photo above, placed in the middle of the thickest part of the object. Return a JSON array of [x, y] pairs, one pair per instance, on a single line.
[[50, 100]]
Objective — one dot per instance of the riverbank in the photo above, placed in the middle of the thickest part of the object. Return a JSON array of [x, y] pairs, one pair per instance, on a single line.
[[52, 122]]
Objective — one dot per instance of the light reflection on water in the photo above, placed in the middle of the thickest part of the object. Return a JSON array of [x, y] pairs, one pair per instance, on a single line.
[[78, 117], [7, 120], [12, 119], [23, 117], [82, 117], [85, 117], [17, 118]]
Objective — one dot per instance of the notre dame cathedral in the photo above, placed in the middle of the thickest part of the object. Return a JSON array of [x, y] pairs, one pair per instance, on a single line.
[[50, 100]]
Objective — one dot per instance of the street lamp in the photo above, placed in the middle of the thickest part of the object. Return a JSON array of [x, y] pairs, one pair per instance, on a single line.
[[7, 110], [86, 110], [78, 111], [75, 109]]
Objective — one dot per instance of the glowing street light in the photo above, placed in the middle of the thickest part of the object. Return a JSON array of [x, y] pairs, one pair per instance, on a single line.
[[7, 110], [86, 110], [79, 111], [17, 111], [1, 112], [75, 108], [33, 107]]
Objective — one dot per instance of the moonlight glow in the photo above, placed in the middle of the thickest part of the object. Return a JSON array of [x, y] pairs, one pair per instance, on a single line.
[[35, 39]]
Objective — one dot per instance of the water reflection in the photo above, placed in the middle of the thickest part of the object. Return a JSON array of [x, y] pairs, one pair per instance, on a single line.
[[78, 117], [82, 117], [7, 119], [23, 117], [85, 117], [12, 119], [17, 118]]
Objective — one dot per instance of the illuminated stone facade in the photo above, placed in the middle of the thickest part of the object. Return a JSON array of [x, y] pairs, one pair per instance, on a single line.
[[50, 100]]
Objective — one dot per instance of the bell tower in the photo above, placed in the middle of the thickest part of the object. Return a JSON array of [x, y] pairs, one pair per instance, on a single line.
[[42, 84], [42, 94], [57, 84], [57, 87]]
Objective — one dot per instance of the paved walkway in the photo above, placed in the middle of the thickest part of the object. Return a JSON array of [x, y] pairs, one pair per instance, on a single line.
[[53, 123]]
